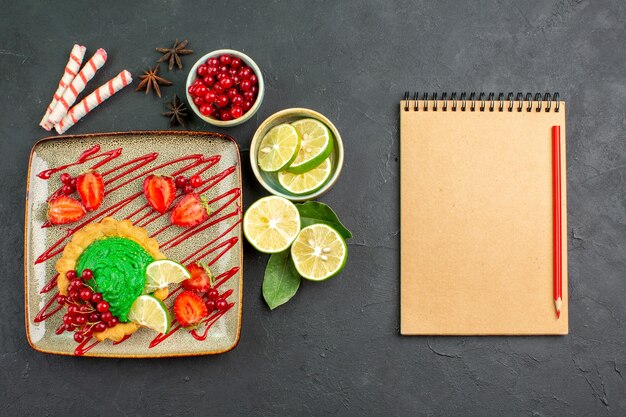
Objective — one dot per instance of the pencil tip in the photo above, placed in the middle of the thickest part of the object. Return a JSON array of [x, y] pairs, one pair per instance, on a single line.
[[558, 314]]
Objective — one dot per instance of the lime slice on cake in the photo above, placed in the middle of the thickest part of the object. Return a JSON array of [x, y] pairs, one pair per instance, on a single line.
[[278, 148], [319, 252], [161, 273], [271, 224], [316, 145], [308, 181], [150, 312]]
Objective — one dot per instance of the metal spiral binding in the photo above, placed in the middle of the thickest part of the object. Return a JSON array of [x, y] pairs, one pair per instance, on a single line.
[[431, 102]]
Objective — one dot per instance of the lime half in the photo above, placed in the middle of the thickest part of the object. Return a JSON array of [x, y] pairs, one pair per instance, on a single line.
[[316, 145], [161, 273], [319, 252], [271, 224], [150, 312], [278, 148], [306, 182]]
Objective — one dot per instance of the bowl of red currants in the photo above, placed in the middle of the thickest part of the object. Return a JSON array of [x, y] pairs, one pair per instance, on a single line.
[[225, 88]]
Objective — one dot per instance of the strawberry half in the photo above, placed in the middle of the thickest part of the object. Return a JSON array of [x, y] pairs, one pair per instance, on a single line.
[[160, 192], [190, 211], [64, 209], [90, 188], [201, 278], [190, 309]]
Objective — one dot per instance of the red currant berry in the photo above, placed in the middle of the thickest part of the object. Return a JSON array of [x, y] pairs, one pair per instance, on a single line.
[[247, 105], [113, 322], [210, 305], [220, 76], [232, 92], [75, 285], [237, 100], [87, 274], [106, 316], [218, 88], [180, 181], [67, 319], [253, 79], [70, 274], [223, 69], [85, 294], [66, 178], [236, 79], [80, 320], [232, 71], [225, 59], [96, 297], [188, 189], [221, 305], [84, 309], [198, 101], [225, 115], [195, 181], [248, 95], [78, 337], [67, 189], [212, 70], [100, 327], [235, 62], [201, 71], [206, 109], [73, 183], [197, 82], [201, 91], [93, 317], [192, 90], [61, 299], [245, 72], [236, 112], [208, 81], [221, 100], [210, 96], [213, 294], [102, 307], [72, 309], [213, 61], [245, 85]]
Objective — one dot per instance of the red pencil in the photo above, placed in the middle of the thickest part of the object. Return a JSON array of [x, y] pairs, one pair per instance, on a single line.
[[556, 200]]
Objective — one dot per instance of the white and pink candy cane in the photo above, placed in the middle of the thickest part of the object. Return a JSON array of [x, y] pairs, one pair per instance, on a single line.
[[77, 86], [93, 100], [72, 67]]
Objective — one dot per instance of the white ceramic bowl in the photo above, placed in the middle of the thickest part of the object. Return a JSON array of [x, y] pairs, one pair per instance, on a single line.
[[269, 180], [247, 115]]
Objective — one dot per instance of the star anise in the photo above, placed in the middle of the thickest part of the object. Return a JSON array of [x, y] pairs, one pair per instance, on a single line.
[[150, 80], [173, 54], [177, 112]]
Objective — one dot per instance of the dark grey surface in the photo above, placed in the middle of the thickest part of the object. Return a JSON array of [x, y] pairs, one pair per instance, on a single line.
[[335, 349]]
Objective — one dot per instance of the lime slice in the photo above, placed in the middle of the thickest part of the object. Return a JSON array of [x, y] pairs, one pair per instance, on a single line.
[[306, 182], [271, 224], [150, 312], [317, 144], [163, 272], [278, 148], [319, 252]]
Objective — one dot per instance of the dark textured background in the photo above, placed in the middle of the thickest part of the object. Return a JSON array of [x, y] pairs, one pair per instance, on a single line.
[[335, 349]]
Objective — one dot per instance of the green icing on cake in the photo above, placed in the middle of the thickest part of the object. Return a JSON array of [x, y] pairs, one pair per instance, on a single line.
[[119, 270]]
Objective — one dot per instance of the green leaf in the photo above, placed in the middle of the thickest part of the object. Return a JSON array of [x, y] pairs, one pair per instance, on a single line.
[[313, 212], [281, 280]]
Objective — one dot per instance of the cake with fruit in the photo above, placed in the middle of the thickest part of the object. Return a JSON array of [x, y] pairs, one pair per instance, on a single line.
[[101, 274]]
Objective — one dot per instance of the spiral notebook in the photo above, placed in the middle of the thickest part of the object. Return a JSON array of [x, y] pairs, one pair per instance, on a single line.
[[477, 214]]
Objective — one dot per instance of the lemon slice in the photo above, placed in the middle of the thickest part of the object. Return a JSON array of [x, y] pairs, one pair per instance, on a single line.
[[161, 273], [278, 148], [316, 145], [271, 224], [308, 181], [150, 312], [319, 252]]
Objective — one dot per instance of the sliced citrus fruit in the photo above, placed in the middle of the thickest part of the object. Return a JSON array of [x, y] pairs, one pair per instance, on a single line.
[[319, 252], [278, 148], [316, 145], [161, 273], [271, 224], [150, 312], [306, 182]]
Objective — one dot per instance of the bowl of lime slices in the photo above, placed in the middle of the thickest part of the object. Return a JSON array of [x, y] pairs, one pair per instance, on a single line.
[[297, 154]]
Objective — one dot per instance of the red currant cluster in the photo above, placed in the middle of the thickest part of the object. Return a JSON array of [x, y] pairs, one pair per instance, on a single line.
[[215, 302], [87, 312], [69, 184], [188, 184], [225, 88]]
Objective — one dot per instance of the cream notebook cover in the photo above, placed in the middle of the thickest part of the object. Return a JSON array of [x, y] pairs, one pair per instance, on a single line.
[[477, 217]]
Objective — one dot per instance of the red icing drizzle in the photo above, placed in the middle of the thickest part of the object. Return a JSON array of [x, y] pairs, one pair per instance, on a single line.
[[125, 172]]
